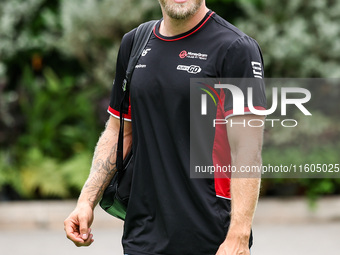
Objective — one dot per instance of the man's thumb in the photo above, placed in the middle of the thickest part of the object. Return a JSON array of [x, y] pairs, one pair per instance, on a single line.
[[83, 227]]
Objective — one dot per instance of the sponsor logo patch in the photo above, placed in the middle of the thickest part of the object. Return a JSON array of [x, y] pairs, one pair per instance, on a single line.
[[145, 51], [140, 66], [190, 69], [183, 54], [193, 55]]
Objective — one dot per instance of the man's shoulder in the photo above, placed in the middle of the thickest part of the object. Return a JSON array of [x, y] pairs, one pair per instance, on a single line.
[[227, 28], [128, 37], [230, 35]]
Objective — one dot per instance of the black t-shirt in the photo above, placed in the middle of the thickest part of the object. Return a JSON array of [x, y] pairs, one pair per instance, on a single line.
[[170, 213]]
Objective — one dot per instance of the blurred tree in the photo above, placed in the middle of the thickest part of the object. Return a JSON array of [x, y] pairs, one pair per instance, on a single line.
[[229, 9], [298, 37], [92, 30], [57, 61]]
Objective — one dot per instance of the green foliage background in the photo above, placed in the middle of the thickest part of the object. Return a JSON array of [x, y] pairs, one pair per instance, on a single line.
[[57, 62]]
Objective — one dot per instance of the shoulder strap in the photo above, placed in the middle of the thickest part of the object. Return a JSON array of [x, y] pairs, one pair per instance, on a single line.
[[140, 40]]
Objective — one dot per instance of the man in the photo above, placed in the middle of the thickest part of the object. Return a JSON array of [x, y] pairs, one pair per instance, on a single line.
[[169, 212]]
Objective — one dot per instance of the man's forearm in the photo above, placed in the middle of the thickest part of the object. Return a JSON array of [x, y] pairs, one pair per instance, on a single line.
[[244, 201], [104, 162], [102, 169], [245, 189], [246, 147], [244, 196]]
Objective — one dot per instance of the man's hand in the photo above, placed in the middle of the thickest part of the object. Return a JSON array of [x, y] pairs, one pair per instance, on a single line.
[[232, 248], [77, 226], [235, 244]]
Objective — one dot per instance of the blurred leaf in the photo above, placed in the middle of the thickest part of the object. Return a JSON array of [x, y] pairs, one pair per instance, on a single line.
[[76, 170], [41, 176]]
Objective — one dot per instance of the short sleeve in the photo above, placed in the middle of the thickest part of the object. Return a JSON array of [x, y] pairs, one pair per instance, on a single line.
[[243, 67], [117, 88]]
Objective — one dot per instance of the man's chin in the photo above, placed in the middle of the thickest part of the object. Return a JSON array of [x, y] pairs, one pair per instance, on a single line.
[[180, 17], [180, 9], [181, 13]]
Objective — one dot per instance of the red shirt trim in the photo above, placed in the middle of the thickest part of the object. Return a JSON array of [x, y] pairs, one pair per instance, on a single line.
[[116, 113], [246, 110]]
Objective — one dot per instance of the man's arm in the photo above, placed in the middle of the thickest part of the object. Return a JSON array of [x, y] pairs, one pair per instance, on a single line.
[[245, 145], [102, 170]]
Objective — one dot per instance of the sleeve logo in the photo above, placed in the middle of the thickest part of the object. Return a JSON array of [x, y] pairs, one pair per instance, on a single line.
[[257, 69]]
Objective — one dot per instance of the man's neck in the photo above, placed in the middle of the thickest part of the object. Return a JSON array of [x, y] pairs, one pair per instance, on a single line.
[[172, 27]]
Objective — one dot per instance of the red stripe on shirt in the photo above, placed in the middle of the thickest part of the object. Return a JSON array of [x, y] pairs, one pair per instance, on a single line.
[[246, 110], [117, 113], [221, 154]]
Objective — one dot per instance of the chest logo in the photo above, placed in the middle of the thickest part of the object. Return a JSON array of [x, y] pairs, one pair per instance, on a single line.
[[145, 51], [183, 54], [192, 55], [140, 66], [190, 69]]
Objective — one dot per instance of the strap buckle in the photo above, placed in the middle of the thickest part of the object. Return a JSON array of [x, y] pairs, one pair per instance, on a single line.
[[124, 85]]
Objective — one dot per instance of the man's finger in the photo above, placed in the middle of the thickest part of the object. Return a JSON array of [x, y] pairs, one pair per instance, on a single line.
[[87, 242], [71, 233], [72, 230]]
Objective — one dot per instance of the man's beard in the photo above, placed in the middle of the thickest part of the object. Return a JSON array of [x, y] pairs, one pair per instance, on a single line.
[[180, 11]]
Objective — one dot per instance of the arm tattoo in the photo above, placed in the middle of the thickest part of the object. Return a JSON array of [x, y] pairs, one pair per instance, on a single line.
[[101, 173]]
